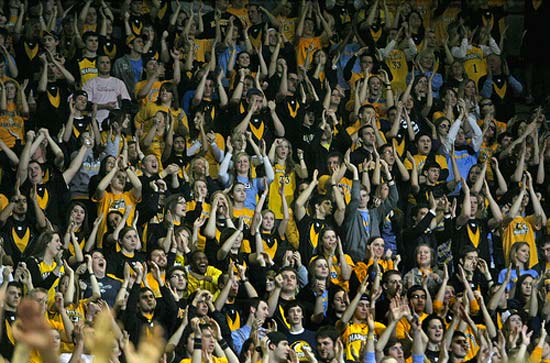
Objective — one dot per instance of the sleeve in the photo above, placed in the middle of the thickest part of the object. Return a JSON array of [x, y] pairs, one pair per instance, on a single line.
[[516, 85], [123, 91], [460, 52], [477, 139]]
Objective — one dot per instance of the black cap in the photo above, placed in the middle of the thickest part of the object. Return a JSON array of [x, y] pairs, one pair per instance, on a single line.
[[253, 91], [80, 92]]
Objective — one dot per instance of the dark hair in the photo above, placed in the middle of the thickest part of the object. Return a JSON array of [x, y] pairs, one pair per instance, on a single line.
[[327, 332], [88, 34], [170, 87], [42, 242], [85, 229], [414, 288], [429, 318]]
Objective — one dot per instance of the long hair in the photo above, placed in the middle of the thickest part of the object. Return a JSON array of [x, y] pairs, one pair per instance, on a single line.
[[169, 87], [42, 242], [85, 228]]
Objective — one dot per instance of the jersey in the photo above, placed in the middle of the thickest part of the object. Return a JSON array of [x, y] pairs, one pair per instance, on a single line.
[[521, 229], [288, 181], [396, 61], [475, 64]]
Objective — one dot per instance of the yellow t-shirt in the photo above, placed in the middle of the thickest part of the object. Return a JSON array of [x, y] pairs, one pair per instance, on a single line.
[[355, 334], [288, 180], [521, 229], [110, 202], [303, 45]]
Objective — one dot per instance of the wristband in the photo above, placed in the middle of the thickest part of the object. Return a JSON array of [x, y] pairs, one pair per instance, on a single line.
[[197, 345], [223, 344]]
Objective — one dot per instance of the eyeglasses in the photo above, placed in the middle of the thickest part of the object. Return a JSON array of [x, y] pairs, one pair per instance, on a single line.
[[461, 341], [178, 276], [486, 104], [444, 126], [423, 297]]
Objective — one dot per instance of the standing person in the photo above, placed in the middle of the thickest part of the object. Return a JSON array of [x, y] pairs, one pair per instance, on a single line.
[[111, 194], [105, 91], [84, 66], [130, 67]]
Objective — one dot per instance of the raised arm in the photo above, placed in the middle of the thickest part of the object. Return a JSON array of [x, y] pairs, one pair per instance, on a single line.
[[299, 206]]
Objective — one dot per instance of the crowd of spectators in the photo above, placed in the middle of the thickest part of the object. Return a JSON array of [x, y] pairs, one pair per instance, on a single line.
[[276, 181]]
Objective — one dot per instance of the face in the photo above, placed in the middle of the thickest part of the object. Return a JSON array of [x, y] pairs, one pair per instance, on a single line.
[[320, 268], [262, 312], [179, 144], [282, 150], [178, 280], [424, 145], [418, 301], [147, 301], [239, 193], [119, 181], [130, 241], [546, 251], [35, 173], [335, 97], [367, 62], [427, 61], [388, 155], [200, 263], [333, 163], [378, 247], [150, 164], [394, 285], [435, 331], [290, 282], [49, 42], [470, 261], [329, 241], [113, 219], [325, 349], [55, 245], [99, 263], [91, 17], [268, 221], [367, 135], [325, 208], [375, 84], [470, 89], [340, 301], [320, 57], [433, 174], [474, 174], [104, 65], [422, 85], [459, 347], [92, 43], [13, 297], [295, 315], [78, 214], [20, 205], [396, 351], [159, 257], [109, 163], [474, 203], [243, 59], [527, 286], [281, 351], [522, 254], [254, 14], [42, 299], [424, 256], [243, 164], [166, 95], [363, 199], [56, 339]]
